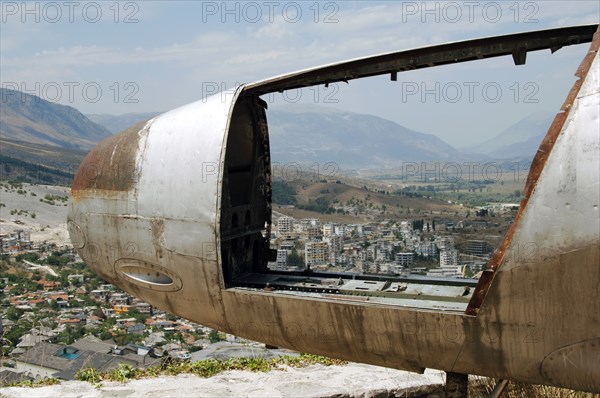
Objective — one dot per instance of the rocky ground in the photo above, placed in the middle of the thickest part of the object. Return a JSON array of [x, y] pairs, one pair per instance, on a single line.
[[352, 380], [27, 207]]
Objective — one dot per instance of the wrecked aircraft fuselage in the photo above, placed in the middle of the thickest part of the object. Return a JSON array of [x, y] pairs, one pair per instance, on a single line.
[[177, 211]]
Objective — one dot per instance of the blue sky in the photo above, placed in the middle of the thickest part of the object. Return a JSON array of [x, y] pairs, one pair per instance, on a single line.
[[138, 56]]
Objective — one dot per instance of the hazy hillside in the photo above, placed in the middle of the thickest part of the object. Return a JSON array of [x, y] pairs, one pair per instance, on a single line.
[[38, 163], [315, 199], [118, 123], [310, 134], [28, 118], [521, 140], [40, 209], [351, 140], [299, 133]]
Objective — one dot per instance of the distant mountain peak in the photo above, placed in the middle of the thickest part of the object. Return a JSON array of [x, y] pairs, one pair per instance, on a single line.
[[521, 139], [28, 118], [351, 140], [309, 108], [118, 123]]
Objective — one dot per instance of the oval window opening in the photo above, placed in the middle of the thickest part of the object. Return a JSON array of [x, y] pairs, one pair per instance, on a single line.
[[145, 275], [148, 275]]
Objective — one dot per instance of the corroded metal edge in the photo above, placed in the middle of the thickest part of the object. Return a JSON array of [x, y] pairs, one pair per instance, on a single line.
[[515, 44], [535, 171], [111, 165]]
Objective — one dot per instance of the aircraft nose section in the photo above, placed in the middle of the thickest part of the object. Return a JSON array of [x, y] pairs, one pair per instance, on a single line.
[[144, 210], [104, 190]]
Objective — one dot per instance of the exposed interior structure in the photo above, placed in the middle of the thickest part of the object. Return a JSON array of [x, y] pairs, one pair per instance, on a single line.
[[245, 232], [246, 193], [187, 231], [246, 190]]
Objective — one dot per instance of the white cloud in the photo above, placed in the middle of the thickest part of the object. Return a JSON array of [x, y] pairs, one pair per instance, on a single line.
[[170, 53], [277, 30]]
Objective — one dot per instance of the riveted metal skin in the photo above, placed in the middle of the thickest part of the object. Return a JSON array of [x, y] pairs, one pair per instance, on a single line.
[[176, 209]]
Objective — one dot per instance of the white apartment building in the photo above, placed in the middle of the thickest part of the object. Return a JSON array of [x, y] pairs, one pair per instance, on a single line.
[[448, 257], [280, 263], [427, 249]]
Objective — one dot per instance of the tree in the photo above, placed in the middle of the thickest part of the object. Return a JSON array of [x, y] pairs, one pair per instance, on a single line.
[[14, 314], [418, 224], [54, 305], [122, 338], [71, 334], [16, 332], [135, 313], [294, 259], [481, 213], [98, 312], [213, 336], [57, 260], [31, 257], [283, 193], [468, 272]]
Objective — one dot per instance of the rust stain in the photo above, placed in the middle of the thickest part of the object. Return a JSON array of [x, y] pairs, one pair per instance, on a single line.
[[480, 291], [110, 166], [535, 171], [158, 231]]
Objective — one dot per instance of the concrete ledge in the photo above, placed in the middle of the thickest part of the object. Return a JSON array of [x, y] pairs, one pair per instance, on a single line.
[[352, 380]]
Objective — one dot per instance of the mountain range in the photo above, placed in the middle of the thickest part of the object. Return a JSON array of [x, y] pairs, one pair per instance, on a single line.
[[117, 123], [351, 140], [28, 118], [30, 127], [520, 140], [309, 134]]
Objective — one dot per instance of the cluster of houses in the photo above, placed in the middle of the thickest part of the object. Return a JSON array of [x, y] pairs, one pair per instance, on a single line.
[[52, 309], [46, 359], [19, 242], [386, 247], [16, 242]]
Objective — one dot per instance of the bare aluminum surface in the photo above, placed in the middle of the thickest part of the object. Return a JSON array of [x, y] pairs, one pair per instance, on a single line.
[[150, 199]]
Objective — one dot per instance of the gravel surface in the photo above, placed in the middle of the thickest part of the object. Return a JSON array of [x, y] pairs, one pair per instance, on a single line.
[[45, 221]]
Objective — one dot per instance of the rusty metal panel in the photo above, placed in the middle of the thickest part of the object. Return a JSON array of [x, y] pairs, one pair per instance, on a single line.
[[145, 206], [548, 267], [564, 202], [449, 53], [585, 72], [111, 165], [157, 235]]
